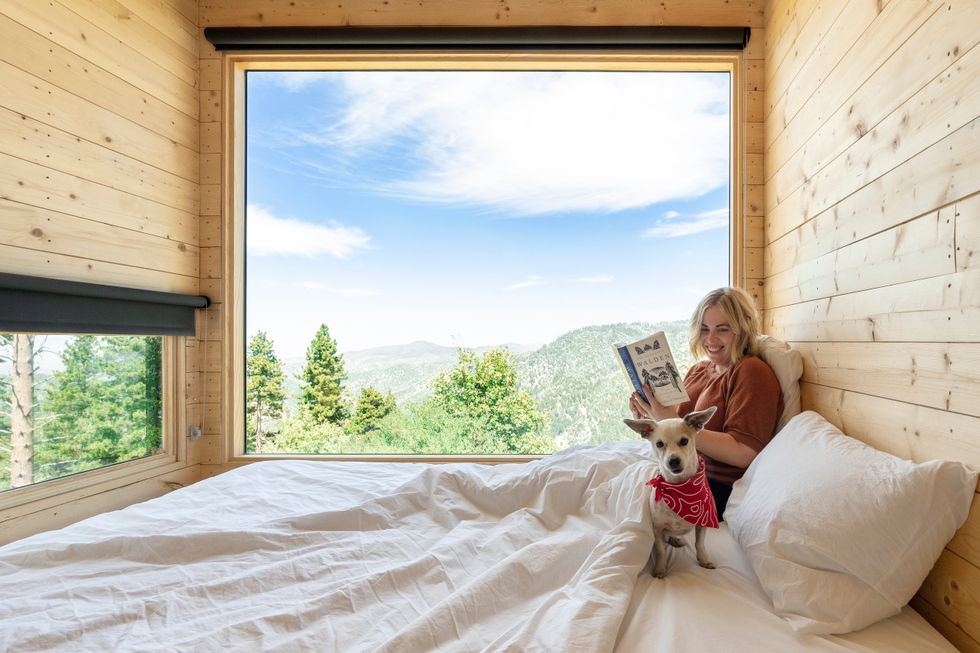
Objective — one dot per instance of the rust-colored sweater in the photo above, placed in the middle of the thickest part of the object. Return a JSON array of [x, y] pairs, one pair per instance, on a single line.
[[749, 404]]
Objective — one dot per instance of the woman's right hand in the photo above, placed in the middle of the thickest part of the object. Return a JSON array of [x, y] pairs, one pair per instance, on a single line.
[[653, 409], [639, 407]]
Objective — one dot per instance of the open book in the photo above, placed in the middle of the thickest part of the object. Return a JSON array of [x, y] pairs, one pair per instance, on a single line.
[[648, 362]]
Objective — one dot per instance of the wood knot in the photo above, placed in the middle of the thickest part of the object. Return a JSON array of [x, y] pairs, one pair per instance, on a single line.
[[37, 233]]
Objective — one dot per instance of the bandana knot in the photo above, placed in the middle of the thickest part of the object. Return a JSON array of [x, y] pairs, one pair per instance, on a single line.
[[691, 500]]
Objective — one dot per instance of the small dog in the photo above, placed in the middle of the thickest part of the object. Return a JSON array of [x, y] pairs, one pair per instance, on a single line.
[[681, 499]]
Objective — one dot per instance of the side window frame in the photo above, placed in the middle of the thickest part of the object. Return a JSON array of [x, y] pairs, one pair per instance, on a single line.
[[21, 501]]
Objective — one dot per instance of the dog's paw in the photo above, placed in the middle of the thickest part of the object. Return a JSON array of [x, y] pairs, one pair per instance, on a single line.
[[676, 541], [659, 573], [706, 564]]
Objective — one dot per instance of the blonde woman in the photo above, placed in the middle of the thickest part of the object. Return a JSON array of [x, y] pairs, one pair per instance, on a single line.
[[724, 330]]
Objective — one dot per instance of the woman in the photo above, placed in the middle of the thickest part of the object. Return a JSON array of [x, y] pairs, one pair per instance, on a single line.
[[724, 328]]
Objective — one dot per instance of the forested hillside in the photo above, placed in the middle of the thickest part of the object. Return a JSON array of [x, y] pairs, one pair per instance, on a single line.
[[574, 379]]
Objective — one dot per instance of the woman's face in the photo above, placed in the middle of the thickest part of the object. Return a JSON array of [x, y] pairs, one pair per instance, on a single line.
[[717, 337]]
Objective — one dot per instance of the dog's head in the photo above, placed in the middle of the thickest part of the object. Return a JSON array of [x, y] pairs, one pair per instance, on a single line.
[[673, 442]]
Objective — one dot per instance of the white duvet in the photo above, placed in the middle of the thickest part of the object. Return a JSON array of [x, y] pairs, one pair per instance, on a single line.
[[313, 556]]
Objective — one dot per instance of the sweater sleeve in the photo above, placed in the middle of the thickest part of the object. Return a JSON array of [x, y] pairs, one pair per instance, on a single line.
[[754, 404]]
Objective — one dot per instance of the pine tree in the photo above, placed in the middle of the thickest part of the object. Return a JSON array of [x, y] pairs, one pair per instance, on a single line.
[[22, 412], [264, 388], [372, 407], [322, 379], [104, 406]]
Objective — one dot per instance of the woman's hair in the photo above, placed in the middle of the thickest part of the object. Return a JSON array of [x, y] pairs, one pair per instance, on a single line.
[[742, 316]]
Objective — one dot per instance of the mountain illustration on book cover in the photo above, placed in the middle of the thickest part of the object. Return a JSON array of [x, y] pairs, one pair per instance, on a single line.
[[648, 363]]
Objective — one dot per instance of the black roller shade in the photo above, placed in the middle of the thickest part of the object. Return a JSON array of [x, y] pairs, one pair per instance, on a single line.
[[477, 38], [37, 305]]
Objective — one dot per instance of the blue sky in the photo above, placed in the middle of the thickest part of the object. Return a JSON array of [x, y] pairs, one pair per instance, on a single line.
[[479, 208]]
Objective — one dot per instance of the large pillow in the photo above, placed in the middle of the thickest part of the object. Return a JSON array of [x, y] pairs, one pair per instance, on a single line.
[[787, 364], [842, 535]]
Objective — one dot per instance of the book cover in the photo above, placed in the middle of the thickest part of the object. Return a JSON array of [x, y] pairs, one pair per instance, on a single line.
[[649, 362]]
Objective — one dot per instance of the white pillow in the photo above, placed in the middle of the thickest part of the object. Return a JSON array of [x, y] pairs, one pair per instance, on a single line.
[[842, 535], [787, 364]]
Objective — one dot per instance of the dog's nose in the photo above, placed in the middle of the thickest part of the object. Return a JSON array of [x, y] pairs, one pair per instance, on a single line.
[[674, 462]]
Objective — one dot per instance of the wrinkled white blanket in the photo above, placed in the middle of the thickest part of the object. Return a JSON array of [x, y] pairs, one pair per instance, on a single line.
[[347, 557]]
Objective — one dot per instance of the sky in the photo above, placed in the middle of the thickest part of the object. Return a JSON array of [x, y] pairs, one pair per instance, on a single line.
[[478, 208]]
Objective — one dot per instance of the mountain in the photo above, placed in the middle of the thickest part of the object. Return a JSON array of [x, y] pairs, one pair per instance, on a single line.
[[575, 378], [407, 371]]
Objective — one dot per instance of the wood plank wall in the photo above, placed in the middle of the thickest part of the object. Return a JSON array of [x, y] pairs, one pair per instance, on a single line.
[[872, 169], [99, 170]]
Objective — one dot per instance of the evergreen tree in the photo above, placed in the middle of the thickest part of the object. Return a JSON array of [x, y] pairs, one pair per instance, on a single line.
[[104, 406], [264, 388], [486, 388], [372, 407], [322, 379]]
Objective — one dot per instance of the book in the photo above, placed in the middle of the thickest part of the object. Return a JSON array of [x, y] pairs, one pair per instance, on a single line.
[[649, 362]]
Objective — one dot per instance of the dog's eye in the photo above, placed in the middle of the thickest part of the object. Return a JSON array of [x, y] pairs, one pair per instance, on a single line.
[[660, 444], [683, 442]]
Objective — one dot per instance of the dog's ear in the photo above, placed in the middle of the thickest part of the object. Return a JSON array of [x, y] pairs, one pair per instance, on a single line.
[[642, 426], [697, 420]]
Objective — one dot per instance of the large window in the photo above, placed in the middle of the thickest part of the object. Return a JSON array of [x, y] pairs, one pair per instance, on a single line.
[[438, 261], [69, 404]]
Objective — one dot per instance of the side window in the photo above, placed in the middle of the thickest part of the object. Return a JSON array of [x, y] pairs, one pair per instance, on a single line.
[[70, 404]]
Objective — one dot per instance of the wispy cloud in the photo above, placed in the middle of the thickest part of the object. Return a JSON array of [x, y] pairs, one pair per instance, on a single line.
[[684, 225], [599, 278], [670, 215], [344, 292], [533, 143], [270, 235], [529, 282]]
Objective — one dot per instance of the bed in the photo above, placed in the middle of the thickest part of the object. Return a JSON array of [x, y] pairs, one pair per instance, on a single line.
[[340, 556]]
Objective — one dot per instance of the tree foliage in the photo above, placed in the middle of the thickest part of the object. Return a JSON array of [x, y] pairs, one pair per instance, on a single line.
[[486, 388], [264, 388], [323, 378], [105, 406], [372, 407]]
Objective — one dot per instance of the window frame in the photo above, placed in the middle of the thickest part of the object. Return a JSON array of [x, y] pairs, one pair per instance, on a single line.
[[236, 64], [21, 501]]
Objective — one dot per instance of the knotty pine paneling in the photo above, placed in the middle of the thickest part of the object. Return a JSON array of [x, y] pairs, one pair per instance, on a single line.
[[872, 169], [99, 182]]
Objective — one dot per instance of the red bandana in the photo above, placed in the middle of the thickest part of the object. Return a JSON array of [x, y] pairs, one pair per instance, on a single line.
[[691, 500]]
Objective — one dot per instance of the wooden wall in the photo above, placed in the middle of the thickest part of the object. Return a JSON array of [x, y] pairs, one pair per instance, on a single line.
[[99, 170], [872, 259]]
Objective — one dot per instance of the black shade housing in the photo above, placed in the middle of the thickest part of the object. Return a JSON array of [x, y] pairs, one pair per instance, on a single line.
[[38, 305], [477, 38]]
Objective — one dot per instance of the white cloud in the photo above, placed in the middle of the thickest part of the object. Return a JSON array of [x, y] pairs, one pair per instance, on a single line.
[[599, 278], [532, 143], [670, 215], [269, 235], [529, 282], [704, 221]]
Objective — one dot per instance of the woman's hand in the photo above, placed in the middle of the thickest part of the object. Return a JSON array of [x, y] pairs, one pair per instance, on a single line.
[[653, 409]]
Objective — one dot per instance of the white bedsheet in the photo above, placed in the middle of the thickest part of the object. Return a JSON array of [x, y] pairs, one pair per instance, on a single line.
[[297, 556]]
